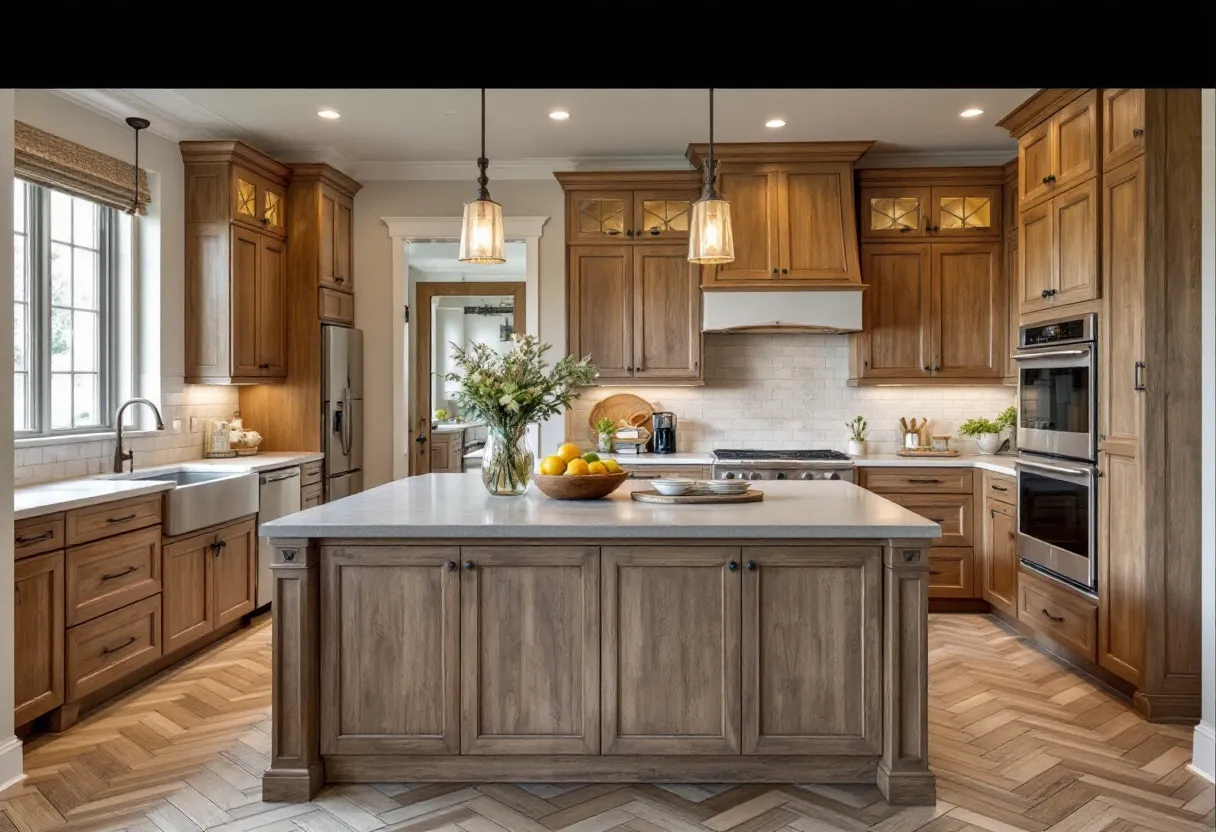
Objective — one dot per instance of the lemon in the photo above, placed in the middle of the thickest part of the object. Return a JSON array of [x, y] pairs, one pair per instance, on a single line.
[[612, 466], [597, 467], [569, 452], [591, 456], [576, 468], [552, 465]]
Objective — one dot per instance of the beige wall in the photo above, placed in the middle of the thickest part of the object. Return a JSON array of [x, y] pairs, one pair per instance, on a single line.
[[374, 312], [10, 747]]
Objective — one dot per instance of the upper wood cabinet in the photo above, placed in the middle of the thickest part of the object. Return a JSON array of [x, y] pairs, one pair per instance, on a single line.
[[1061, 150], [897, 318], [1122, 127], [961, 203], [322, 203], [236, 264], [1013, 314], [792, 215], [623, 207], [633, 301], [1058, 241]]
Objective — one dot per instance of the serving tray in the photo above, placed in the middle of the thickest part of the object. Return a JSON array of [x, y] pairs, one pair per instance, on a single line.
[[698, 495], [910, 452]]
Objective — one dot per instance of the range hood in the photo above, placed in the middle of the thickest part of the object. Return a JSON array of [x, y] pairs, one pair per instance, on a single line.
[[828, 312]]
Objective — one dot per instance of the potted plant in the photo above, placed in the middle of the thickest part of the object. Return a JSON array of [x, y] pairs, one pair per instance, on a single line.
[[604, 430], [858, 431], [508, 392], [1008, 418], [985, 432]]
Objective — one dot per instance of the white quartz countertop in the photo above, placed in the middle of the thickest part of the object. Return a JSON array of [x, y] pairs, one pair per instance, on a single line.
[[662, 459], [998, 463], [458, 506], [51, 497]]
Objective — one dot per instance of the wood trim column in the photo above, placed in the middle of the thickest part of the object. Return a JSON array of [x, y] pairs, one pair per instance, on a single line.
[[903, 773], [296, 772]]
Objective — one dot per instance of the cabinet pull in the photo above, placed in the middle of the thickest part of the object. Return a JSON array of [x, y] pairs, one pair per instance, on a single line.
[[1012, 536], [468, 566], [934, 572], [29, 541], [905, 229], [107, 651], [654, 232], [999, 488], [1137, 132], [1056, 618], [114, 575], [122, 519], [450, 566], [263, 366], [914, 480], [785, 271], [339, 279], [774, 270], [637, 476], [732, 566], [750, 566], [1137, 381]]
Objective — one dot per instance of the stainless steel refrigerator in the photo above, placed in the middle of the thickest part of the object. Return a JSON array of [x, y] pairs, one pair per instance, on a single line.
[[342, 410]]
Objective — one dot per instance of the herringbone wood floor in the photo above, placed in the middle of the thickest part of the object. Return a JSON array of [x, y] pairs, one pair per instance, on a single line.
[[1017, 742]]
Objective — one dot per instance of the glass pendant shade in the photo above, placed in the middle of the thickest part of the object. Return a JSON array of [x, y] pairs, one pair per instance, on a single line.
[[481, 236], [710, 239]]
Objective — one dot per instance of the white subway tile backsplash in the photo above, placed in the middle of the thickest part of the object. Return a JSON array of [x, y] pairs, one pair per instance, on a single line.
[[788, 392]]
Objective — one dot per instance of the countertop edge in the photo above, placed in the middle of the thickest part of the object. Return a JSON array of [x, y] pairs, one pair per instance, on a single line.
[[636, 532], [144, 488]]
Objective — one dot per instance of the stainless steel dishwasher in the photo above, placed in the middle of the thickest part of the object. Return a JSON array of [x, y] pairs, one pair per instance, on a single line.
[[278, 496]]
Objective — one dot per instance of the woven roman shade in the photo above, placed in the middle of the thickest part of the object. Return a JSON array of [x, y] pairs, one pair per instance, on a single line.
[[47, 159]]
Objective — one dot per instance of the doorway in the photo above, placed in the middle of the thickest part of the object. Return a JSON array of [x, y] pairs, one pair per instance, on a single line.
[[444, 439]]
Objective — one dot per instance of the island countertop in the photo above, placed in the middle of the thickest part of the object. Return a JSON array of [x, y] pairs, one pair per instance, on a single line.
[[458, 506]]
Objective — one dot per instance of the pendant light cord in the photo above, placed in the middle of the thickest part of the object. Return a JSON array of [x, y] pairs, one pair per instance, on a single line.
[[136, 124], [483, 192], [708, 191]]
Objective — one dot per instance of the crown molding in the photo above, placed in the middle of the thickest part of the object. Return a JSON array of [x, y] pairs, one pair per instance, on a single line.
[[117, 105], [317, 154], [512, 168], [937, 159]]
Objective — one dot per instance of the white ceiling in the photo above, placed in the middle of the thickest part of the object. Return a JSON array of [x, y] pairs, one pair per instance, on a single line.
[[389, 133]]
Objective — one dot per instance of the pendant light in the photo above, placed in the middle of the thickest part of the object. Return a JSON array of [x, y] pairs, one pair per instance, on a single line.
[[136, 123], [481, 232], [710, 240]]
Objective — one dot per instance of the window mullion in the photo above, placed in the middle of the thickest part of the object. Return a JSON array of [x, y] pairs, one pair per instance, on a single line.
[[42, 311]]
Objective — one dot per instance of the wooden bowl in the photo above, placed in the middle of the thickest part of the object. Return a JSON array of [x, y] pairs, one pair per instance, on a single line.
[[586, 487]]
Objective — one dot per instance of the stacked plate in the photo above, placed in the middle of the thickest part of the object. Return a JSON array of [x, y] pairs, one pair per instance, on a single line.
[[728, 486]]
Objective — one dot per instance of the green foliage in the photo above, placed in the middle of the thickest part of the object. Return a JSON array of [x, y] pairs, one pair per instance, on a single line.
[[1008, 418], [513, 390], [974, 427], [605, 426], [858, 429]]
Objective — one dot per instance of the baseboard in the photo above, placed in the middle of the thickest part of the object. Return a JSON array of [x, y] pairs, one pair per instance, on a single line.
[[1203, 760], [11, 771]]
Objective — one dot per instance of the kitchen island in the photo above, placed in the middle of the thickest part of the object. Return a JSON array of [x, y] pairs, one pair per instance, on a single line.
[[426, 631]]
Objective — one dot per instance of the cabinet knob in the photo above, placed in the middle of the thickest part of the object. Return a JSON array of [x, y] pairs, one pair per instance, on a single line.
[[1137, 132], [468, 565], [339, 279], [927, 368], [774, 269], [732, 566], [785, 271], [450, 566], [654, 232], [750, 566], [628, 232]]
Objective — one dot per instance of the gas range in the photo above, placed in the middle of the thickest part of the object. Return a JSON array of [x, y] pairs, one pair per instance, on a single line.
[[782, 465]]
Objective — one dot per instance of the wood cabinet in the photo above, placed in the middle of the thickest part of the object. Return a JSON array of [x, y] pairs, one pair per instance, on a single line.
[[1059, 151], [903, 212], [633, 301], [111, 573], [1122, 127], [999, 560], [1057, 612], [792, 215], [1012, 269], [447, 452], [636, 310], [82, 525], [311, 496], [947, 497], [319, 283], [236, 264], [654, 600], [38, 631], [530, 650], [1059, 244], [36, 535], [113, 646], [934, 311], [789, 704], [208, 581], [648, 471]]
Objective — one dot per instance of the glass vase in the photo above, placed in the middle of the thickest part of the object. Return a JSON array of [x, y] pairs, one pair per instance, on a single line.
[[506, 462]]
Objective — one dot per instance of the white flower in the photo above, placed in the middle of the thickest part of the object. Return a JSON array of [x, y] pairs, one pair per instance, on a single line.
[[507, 401], [513, 406]]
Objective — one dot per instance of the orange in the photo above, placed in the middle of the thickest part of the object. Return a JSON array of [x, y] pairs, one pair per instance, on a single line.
[[552, 466], [569, 452]]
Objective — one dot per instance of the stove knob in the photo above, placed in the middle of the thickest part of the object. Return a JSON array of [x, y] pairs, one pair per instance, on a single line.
[[730, 475], [780, 475], [832, 476], [755, 475], [807, 476]]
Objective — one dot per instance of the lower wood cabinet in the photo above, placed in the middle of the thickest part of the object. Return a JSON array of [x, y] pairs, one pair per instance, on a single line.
[[111, 573], [112, 646], [952, 572], [310, 496], [1058, 613], [38, 635], [999, 568], [648, 471], [614, 650], [208, 581]]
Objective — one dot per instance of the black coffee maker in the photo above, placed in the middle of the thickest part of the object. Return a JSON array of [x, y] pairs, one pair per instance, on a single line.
[[665, 433]]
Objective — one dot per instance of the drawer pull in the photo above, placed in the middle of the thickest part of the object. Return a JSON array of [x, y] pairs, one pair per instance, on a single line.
[[1057, 619], [122, 519], [30, 541], [107, 651], [934, 572], [936, 519], [999, 488], [922, 482], [114, 575]]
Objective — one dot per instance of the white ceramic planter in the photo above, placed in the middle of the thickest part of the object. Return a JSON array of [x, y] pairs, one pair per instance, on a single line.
[[988, 442], [857, 448]]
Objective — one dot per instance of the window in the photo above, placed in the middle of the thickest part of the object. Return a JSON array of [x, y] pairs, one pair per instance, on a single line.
[[65, 251]]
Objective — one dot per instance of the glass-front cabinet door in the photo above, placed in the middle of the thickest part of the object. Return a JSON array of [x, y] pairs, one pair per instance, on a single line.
[[973, 211], [599, 216], [894, 213], [662, 215]]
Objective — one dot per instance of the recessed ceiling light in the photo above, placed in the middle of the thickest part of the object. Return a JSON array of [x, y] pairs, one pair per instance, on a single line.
[[971, 112], [329, 114], [559, 115], [775, 122]]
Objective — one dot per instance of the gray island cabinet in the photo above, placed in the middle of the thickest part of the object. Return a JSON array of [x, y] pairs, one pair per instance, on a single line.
[[426, 631]]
